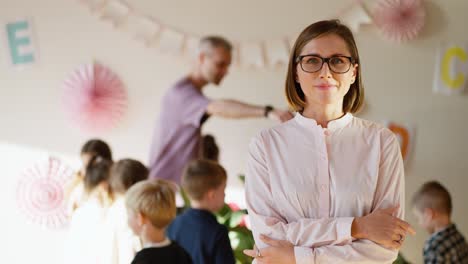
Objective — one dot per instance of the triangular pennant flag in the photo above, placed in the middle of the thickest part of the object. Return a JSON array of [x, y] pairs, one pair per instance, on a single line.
[[171, 41], [355, 16], [252, 54], [277, 52], [144, 28], [116, 11], [94, 5]]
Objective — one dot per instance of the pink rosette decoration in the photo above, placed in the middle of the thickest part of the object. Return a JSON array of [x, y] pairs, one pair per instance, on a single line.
[[40, 193], [95, 98], [400, 20]]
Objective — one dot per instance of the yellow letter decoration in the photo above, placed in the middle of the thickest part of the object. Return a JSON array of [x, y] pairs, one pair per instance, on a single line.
[[451, 70], [450, 54]]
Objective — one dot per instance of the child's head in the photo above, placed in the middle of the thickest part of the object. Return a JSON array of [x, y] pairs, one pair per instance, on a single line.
[[125, 173], [431, 204], [95, 147], [97, 173], [208, 148], [204, 181], [150, 204]]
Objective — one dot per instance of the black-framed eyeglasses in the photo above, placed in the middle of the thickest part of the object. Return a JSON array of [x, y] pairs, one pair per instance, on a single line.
[[314, 63]]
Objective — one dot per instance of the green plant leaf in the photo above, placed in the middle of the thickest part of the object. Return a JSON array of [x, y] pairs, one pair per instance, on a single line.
[[236, 218], [224, 215], [241, 241], [240, 236], [224, 210]]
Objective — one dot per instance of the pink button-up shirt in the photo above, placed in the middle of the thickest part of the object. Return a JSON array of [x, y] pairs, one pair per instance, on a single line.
[[305, 184]]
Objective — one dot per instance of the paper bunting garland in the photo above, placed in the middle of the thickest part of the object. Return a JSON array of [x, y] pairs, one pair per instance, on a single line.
[[354, 16], [172, 41], [94, 5], [399, 20], [144, 29], [252, 55], [116, 11], [278, 52]]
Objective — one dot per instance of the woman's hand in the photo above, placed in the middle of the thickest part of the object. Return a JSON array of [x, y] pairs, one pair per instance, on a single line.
[[382, 228], [279, 251]]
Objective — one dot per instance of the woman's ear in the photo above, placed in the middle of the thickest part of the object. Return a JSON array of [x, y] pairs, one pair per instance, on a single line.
[[355, 71]]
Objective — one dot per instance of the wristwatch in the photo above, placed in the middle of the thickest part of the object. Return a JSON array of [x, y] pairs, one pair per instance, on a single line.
[[268, 109]]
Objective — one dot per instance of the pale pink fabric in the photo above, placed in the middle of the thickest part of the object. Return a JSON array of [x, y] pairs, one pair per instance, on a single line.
[[306, 184]]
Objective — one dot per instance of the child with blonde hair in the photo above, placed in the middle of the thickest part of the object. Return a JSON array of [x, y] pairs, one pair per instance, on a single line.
[[151, 208]]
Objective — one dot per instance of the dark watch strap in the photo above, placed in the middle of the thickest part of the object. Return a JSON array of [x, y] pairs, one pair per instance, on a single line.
[[268, 109]]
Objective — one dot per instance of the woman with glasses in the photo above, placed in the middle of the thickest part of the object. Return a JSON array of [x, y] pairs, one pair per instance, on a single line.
[[326, 186]]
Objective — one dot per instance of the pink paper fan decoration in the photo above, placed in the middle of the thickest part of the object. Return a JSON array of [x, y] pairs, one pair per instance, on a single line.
[[40, 193], [400, 20], [95, 98]]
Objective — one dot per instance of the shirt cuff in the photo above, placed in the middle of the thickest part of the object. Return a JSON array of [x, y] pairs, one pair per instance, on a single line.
[[304, 255], [344, 230]]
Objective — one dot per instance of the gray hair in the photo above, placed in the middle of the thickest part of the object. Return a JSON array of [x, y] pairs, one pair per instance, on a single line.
[[208, 43]]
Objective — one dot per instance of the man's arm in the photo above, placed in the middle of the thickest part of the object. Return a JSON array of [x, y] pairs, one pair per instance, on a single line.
[[235, 109]]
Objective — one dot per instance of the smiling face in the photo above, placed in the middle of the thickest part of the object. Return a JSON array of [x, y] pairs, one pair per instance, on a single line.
[[330, 75], [324, 86]]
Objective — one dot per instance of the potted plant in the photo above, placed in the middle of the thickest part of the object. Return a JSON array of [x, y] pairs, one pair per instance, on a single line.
[[235, 219]]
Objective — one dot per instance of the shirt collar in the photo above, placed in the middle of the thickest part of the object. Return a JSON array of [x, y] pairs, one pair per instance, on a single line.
[[447, 229], [332, 125], [166, 242]]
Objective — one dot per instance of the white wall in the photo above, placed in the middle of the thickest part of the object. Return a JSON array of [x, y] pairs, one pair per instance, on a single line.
[[398, 80]]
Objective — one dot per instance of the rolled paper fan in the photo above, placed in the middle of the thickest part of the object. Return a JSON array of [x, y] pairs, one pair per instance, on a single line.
[[40, 193], [95, 98], [400, 20]]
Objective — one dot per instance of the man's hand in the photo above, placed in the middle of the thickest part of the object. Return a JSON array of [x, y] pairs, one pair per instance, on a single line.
[[280, 115]]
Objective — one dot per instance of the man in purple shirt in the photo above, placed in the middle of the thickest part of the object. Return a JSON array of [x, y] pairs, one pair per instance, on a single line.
[[184, 109]]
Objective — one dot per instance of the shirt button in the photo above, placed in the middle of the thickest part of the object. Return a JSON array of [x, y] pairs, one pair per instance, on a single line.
[[326, 133], [324, 187]]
